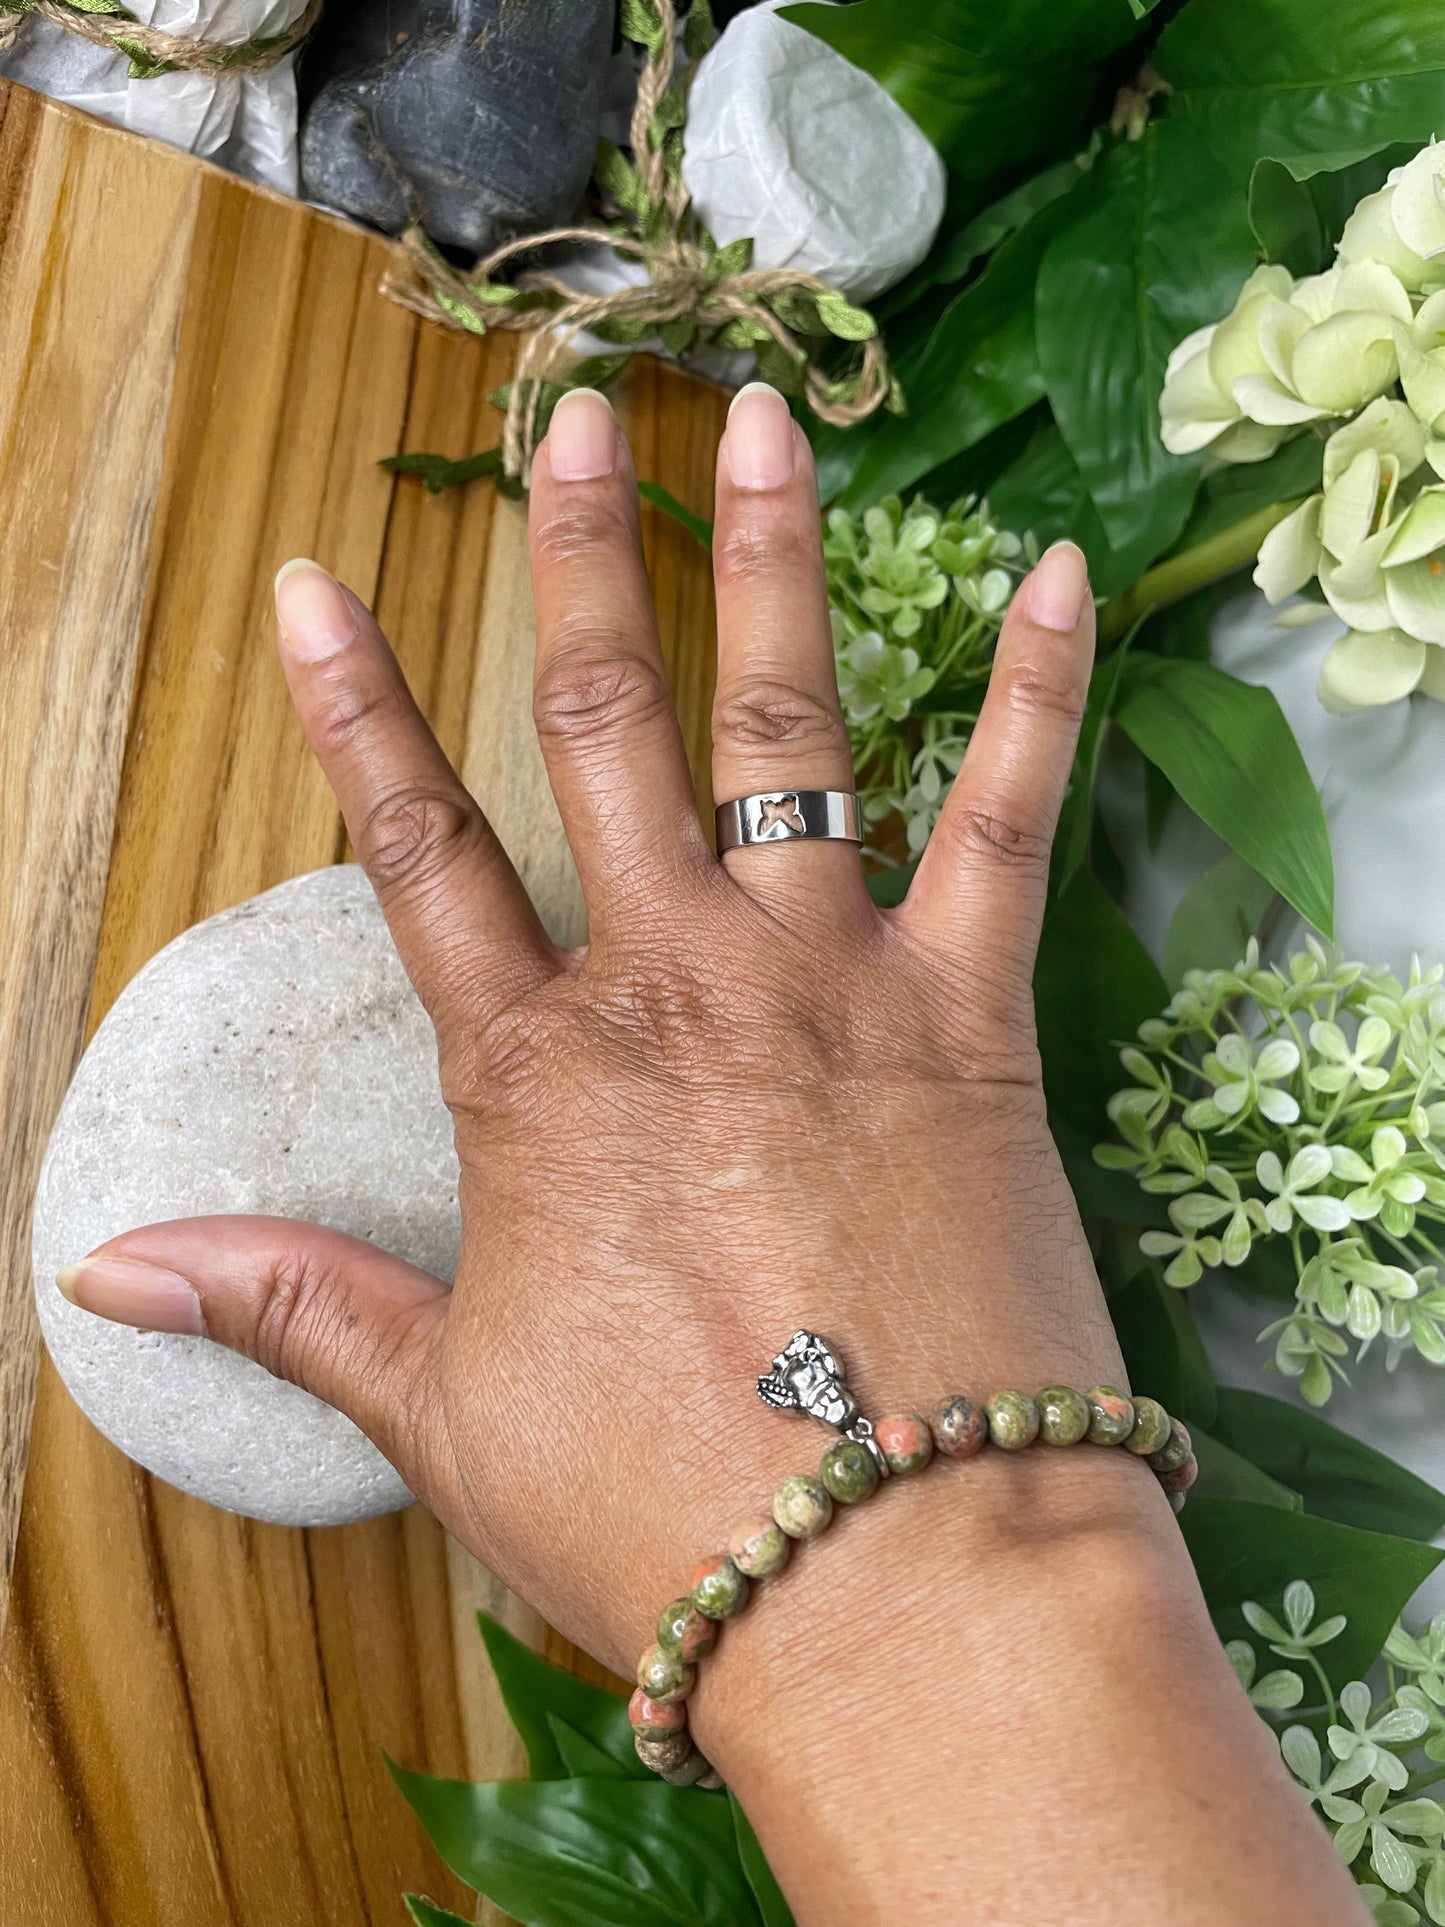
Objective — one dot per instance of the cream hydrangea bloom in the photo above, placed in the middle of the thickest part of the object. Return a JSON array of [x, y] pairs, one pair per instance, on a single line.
[[1329, 349], [1198, 408], [1370, 234], [1417, 207]]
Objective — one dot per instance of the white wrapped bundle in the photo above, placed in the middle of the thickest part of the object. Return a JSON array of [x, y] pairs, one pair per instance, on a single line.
[[245, 121]]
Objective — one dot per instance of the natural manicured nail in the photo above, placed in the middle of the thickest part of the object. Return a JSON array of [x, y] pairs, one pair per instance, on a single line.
[[1058, 586], [315, 617], [582, 437], [758, 444], [133, 1293]]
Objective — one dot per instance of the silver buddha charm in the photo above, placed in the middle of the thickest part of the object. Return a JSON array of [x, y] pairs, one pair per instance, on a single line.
[[806, 1376]]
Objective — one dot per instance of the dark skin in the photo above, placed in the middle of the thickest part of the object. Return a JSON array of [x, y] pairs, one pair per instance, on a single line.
[[755, 1102]]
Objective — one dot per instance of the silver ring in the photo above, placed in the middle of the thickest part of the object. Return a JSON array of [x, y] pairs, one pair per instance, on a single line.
[[788, 816]]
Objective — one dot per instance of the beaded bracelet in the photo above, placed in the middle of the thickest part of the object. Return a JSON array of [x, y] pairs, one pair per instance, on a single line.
[[806, 1376]]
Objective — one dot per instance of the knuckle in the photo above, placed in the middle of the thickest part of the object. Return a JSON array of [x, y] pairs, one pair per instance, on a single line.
[[991, 830], [1036, 689], [592, 689], [759, 548], [303, 1316], [762, 710], [599, 521], [353, 711], [413, 835]]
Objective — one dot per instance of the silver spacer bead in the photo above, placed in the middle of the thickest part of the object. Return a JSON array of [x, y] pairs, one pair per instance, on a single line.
[[807, 1376]]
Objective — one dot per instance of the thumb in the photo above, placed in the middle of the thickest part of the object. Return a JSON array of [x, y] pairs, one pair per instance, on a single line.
[[333, 1314]]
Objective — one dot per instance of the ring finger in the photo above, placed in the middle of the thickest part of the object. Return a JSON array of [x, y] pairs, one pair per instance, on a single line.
[[777, 722]]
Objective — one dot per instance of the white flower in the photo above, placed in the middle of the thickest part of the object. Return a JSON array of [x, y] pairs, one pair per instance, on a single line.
[[1329, 349], [1198, 407], [1276, 1692], [1243, 1082], [1292, 1190], [1417, 206], [1381, 1178], [1346, 1063], [1370, 234], [1362, 1746]]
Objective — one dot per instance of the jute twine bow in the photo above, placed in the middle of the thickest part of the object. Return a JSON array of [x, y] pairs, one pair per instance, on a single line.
[[150, 50], [712, 294]]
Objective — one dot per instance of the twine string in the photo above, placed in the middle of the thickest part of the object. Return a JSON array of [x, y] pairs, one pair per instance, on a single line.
[[151, 50]]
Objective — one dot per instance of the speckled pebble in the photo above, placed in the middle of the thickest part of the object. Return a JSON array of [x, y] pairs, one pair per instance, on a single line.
[[759, 1547], [959, 1427], [663, 1752], [1175, 1449], [1181, 1478], [719, 1590], [905, 1441], [663, 1676], [681, 1629], [848, 1472], [1063, 1415], [1013, 1421], [655, 1716], [801, 1506], [1111, 1415], [1151, 1427]]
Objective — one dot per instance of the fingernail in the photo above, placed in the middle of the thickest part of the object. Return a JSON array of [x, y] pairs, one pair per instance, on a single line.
[[582, 438], [758, 444], [133, 1293], [315, 617], [1058, 586]]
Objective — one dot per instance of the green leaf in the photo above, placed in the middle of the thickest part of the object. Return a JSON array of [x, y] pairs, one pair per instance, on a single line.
[[582, 1759], [1076, 818], [889, 887], [839, 316], [462, 312], [992, 86], [773, 1910], [439, 471], [1094, 984], [589, 1853], [1162, 1349], [425, 1914], [1103, 340], [697, 526], [1337, 1477], [1298, 206], [640, 23], [1239, 490], [1228, 751], [533, 1689], [1042, 490], [735, 258], [1227, 1474], [619, 179], [1216, 918], [699, 35], [1243, 1551]]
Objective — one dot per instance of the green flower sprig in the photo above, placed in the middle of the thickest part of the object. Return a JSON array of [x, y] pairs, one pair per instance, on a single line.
[[1308, 1105], [1372, 1781], [917, 596]]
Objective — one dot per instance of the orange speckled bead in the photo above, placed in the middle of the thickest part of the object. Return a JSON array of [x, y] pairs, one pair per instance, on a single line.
[[1111, 1415], [1151, 1427], [1177, 1482], [1175, 1450], [663, 1676], [681, 1629], [759, 1547], [959, 1427], [905, 1441], [655, 1716]]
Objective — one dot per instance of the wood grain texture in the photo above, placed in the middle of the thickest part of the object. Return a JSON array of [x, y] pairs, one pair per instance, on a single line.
[[193, 1707]]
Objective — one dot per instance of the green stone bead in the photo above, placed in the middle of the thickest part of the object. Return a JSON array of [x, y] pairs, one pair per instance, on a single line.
[[959, 1427], [1174, 1451], [1013, 1421], [1063, 1415], [663, 1676], [711, 1781], [718, 1589], [759, 1547], [905, 1441], [849, 1472], [655, 1716], [801, 1506], [1151, 1427], [690, 1772], [663, 1752], [681, 1629], [1111, 1415]]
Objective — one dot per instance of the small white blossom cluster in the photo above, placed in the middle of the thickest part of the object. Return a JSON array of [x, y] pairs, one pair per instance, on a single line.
[[916, 597], [1305, 1104], [1357, 354], [1379, 1752]]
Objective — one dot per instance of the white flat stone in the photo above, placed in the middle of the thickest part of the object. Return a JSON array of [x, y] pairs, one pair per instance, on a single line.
[[273, 1059]]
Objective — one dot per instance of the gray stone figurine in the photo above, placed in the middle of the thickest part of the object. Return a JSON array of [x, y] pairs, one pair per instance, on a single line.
[[477, 118]]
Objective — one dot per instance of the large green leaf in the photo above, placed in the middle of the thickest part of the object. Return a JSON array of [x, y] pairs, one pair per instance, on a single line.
[[1245, 1551], [1227, 1474], [1216, 918], [589, 1853], [1239, 490], [774, 1910], [1338, 1477], [993, 86], [426, 1914], [1298, 206], [1227, 750], [1162, 1350], [1042, 490], [533, 1689]]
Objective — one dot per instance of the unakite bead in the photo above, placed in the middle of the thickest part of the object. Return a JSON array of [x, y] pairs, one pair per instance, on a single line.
[[710, 1781], [1063, 1415], [959, 1427], [1013, 1420], [1151, 1427], [663, 1676], [718, 1589], [1178, 1482], [905, 1442], [801, 1506], [1111, 1415], [690, 1772], [849, 1472], [1174, 1451], [655, 1716], [759, 1547], [681, 1629], [663, 1752]]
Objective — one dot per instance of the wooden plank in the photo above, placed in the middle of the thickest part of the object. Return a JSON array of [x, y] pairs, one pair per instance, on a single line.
[[193, 1707]]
